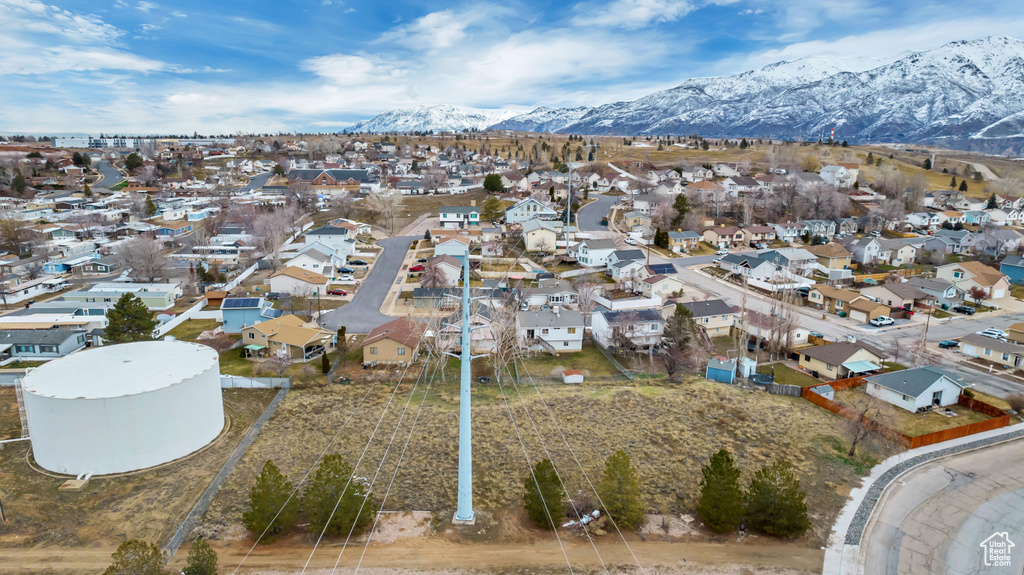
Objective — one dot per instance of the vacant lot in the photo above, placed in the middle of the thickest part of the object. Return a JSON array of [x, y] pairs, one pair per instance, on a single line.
[[145, 505], [413, 207], [912, 424], [669, 431]]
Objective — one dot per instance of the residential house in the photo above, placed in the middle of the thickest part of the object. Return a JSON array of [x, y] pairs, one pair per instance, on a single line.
[[459, 217], [540, 235], [593, 253], [297, 281], [395, 342], [898, 252], [972, 274], [846, 226], [334, 237], [1010, 202], [924, 220], [804, 180], [942, 292], [843, 359], [899, 294], [997, 242], [241, 312], [977, 218], [286, 336], [157, 297], [529, 209], [104, 265], [836, 176], [633, 220], [750, 266], [550, 292], [758, 234], [40, 344], [662, 286], [1005, 217], [683, 241], [788, 232], [737, 186], [726, 170], [724, 236], [173, 229], [634, 328], [481, 336], [863, 310], [916, 389], [1005, 353], [823, 228], [1013, 268], [456, 246], [952, 217], [1015, 333], [646, 203], [314, 261], [864, 250], [449, 270], [831, 256], [556, 330], [832, 299], [714, 316], [796, 261]]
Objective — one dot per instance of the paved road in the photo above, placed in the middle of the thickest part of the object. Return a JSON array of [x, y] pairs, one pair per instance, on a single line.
[[258, 181], [934, 519], [588, 219], [110, 175], [363, 313]]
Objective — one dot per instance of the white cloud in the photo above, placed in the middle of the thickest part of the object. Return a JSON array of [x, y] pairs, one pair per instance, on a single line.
[[634, 14], [145, 6], [751, 12], [178, 14]]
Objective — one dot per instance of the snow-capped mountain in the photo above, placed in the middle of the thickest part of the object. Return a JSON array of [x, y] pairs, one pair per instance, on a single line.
[[963, 94], [442, 117]]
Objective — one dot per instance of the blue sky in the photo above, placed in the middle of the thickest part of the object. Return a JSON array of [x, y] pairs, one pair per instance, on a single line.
[[142, 66]]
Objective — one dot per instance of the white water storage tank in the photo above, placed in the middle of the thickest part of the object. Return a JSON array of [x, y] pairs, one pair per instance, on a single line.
[[123, 407]]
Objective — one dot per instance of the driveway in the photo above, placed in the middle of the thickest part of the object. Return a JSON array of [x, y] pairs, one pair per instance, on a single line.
[[363, 313], [935, 518], [588, 219]]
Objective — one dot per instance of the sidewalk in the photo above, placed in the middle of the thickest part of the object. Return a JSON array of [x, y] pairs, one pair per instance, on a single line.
[[842, 555]]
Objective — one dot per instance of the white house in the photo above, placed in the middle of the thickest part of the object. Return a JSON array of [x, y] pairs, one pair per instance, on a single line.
[[450, 270], [456, 246], [297, 281], [914, 389], [529, 209], [837, 176], [592, 253], [458, 217], [924, 220], [333, 236], [641, 327], [315, 261], [750, 266], [556, 330]]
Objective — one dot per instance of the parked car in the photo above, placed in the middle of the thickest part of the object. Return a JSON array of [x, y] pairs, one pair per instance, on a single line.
[[346, 271], [882, 320], [358, 263], [875, 233], [422, 260], [760, 246], [346, 278], [717, 261], [273, 296], [604, 221], [416, 268], [948, 344], [965, 309], [337, 291], [722, 252], [993, 333], [631, 241]]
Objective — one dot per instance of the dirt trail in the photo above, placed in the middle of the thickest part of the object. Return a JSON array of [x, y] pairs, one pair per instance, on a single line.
[[433, 553], [985, 171]]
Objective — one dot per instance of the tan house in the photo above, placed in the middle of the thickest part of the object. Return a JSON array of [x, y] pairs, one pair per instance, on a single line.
[[715, 316], [832, 300], [396, 342], [967, 275], [660, 285], [683, 241], [1016, 333], [899, 294], [723, 236], [864, 310], [755, 234], [286, 336], [832, 256], [633, 219], [843, 359]]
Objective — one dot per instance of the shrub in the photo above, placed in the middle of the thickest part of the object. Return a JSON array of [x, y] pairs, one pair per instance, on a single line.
[[333, 503], [1016, 401], [620, 492], [721, 498], [775, 503], [543, 497], [270, 494]]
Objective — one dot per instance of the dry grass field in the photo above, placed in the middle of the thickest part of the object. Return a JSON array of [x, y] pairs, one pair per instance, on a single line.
[[669, 431]]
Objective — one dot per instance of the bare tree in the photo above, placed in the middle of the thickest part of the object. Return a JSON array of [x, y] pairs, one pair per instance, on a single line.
[[433, 275], [270, 231], [869, 419], [386, 205], [144, 257], [302, 195], [825, 202], [15, 233]]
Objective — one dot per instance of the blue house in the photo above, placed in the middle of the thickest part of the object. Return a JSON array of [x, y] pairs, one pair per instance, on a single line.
[[241, 312], [1013, 267], [723, 370], [977, 217]]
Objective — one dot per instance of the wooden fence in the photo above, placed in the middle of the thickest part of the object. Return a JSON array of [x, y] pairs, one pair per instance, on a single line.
[[780, 389], [881, 276], [999, 417]]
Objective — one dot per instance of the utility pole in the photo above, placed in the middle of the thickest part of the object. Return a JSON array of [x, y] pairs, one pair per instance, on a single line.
[[464, 514]]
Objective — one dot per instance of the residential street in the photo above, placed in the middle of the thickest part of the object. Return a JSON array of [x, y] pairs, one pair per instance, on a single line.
[[363, 313], [588, 219], [111, 175], [258, 181], [934, 519]]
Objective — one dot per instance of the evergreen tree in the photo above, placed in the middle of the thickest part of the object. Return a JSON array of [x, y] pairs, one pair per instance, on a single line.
[[721, 498], [871, 159], [620, 492], [133, 162], [279, 170], [543, 497], [952, 183], [19, 184], [342, 346], [332, 488], [963, 186], [134, 557], [202, 559], [87, 191], [325, 364], [927, 164], [743, 144], [681, 207], [704, 146], [129, 320], [491, 208], [150, 207], [270, 493], [492, 183], [775, 503], [978, 177], [992, 202]]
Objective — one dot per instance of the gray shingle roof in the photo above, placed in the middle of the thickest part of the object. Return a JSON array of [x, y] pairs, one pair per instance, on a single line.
[[837, 353], [37, 336], [707, 308], [640, 315], [548, 318], [912, 382]]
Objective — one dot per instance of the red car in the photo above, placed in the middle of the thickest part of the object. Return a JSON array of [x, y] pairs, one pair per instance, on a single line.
[[337, 292], [416, 268]]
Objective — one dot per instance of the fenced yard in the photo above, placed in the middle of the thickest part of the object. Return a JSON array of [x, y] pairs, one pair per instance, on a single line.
[[912, 424]]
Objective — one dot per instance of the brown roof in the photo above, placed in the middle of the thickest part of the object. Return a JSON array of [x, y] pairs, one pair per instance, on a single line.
[[704, 185], [866, 305], [402, 330], [850, 166], [301, 274], [445, 259], [829, 251], [760, 229], [836, 293], [288, 329], [983, 275], [837, 353], [724, 230], [457, 238]]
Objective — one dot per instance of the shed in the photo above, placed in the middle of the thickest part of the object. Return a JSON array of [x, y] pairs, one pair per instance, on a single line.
[[215, 298], [825, 391], [721, 369], [572, 376], [747, 366]]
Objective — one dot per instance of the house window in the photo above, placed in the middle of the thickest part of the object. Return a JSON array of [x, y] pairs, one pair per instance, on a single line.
[[373, 351], [25, 348], [958, 275], [654, 327], [401, 351], [252, 335], [544, 331], [988, 351], [47, 349], [906, 397], [829, 366], [572, 330], [565, 344]]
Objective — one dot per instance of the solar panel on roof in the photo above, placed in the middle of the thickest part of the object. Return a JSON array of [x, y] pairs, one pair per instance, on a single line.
[[240, 302], [663, 268]]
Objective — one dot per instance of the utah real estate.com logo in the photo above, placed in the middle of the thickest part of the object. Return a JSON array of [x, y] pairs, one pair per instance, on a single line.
[[996, 549]]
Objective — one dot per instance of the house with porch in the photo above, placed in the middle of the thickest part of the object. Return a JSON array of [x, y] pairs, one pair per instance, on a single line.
[[556, 330], [593, 252], [640, 327], [971, 274], [916, 389], [842, 359], [240, 312], [832, 299], [286, 336], [529, 209]]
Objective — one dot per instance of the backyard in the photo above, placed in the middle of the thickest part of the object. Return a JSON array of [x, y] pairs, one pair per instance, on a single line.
[[787, 375], [912, 424]]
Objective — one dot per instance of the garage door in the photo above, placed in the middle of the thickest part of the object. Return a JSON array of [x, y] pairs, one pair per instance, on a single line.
[[859, 316]]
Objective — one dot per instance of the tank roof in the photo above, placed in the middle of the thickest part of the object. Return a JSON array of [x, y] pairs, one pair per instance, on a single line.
[[120, 370]]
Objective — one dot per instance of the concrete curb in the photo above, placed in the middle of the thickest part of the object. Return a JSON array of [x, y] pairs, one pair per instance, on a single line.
[[842, 556]]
